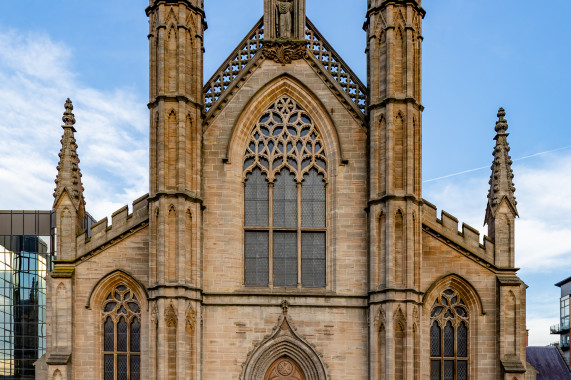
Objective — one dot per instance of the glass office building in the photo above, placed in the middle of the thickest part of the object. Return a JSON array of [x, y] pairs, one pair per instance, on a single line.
[[26, 250], [563, 327]]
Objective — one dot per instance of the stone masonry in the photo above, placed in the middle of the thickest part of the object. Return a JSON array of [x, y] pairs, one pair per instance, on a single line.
[[409, 294]]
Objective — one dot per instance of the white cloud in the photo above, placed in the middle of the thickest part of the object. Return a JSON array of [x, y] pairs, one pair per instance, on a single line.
[[543, 192], [35, 79], [539, 331]]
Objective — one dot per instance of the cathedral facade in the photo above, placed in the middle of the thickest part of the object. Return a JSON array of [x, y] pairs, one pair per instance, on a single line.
[[284, 235]]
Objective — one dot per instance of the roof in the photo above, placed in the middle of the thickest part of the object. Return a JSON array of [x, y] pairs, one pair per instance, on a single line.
[[548, 362], [561, 283]]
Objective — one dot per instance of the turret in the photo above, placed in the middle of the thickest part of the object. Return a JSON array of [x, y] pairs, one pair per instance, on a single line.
[[501, 209], [394, 45], [69, 203], [175, 199]]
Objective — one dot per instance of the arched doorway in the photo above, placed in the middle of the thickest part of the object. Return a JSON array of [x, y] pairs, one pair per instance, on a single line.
[[284, 369]]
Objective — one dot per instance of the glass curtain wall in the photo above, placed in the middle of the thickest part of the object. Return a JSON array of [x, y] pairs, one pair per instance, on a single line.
[[26, 251]]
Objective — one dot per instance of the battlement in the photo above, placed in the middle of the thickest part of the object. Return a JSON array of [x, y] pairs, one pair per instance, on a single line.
[[121, 222], [468, 237]]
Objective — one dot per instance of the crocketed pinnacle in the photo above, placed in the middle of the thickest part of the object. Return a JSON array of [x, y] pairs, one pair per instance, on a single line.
[[501, 180], [68, 173]]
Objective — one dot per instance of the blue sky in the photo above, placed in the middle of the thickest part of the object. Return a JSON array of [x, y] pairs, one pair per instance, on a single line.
[[477, 56]]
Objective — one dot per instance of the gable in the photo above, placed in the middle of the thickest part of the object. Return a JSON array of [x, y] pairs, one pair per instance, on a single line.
[[316, 51]]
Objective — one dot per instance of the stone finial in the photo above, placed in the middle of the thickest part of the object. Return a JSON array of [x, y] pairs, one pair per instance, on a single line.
[[68, 116], [501, 124], [501, 180], [69, 176], [284, 306]]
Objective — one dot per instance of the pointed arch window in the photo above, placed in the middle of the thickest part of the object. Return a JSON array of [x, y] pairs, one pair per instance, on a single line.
[[449, 343], [285, 171], [121, 335]]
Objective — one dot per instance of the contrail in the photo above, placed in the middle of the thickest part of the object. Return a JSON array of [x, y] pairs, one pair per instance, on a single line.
[[486, 167]]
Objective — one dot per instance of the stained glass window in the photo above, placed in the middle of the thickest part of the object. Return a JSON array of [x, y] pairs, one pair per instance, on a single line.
[[121, 335], [285, 171], [449, 339]]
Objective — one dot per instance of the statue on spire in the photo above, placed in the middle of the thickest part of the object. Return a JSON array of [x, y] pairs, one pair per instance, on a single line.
[[284, 16]]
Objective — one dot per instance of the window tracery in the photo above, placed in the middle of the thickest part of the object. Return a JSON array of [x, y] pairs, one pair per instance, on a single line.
[[285, 170], [121, 335], [449, 343]]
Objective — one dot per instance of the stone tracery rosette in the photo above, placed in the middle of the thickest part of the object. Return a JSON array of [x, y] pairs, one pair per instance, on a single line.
[[285, 136]]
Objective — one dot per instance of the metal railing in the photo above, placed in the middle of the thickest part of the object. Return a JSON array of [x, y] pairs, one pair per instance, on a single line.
[[559, 328]]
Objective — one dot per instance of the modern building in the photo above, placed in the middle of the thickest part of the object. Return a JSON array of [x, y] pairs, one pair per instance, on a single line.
[[562, 328], [26, 251], [284, 235]]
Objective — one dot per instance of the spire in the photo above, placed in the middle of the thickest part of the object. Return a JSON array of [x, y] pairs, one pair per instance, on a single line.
[[69, 176], [501, 180]]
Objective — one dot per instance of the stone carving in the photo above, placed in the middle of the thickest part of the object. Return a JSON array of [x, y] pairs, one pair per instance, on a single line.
[[284, 51], [380, 318], [284, 18], [154, 313], [270, 359], [190, 320], [284, 306], [284, 369], [170, 316]]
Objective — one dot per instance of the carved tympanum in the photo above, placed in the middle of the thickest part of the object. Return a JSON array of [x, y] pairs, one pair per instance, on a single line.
[[284, 369]]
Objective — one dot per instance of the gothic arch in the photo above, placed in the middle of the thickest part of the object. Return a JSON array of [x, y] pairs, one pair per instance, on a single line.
[[458, 283], [57, 375], [283, 342], [171, 19], [104, 285], [284, 85], [474, 306], [95, 301]]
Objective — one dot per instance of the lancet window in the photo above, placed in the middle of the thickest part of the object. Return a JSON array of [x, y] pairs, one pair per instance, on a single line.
[[285, 173], [449, 343], [121, 335]]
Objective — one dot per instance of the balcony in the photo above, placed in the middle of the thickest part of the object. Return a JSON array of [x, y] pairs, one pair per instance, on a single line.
[[560, 328], [564, 345]]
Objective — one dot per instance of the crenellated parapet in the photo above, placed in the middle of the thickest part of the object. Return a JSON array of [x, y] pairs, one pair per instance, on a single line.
[[466, 240], [101, 235]]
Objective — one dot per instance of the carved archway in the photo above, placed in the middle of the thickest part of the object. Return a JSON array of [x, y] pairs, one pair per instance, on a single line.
[[284, 342], [284, 369]]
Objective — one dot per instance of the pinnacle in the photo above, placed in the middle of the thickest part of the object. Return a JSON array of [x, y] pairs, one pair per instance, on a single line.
[[69, 176], [501, 179]]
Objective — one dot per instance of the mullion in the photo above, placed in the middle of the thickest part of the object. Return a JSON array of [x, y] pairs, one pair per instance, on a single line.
[[271, 235], [115, 342], [299, 278], [129, 349]]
